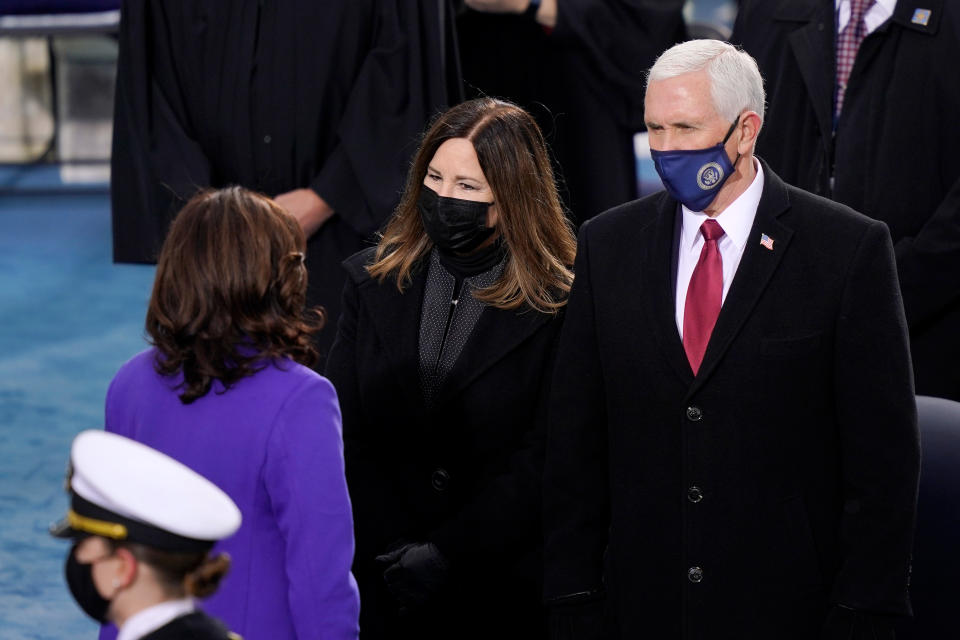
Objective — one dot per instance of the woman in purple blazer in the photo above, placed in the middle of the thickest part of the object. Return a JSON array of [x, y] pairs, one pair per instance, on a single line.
[[225, 391]]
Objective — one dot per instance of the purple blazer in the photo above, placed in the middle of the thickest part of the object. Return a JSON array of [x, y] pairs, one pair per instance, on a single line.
[[273, 443]]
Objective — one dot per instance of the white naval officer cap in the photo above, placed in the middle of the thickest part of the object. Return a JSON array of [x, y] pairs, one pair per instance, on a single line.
[[124, 490]]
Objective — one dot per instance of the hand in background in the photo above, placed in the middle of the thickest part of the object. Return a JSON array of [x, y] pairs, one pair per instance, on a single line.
[[546, 14], [498, 6], [310, 210], [415, 573]]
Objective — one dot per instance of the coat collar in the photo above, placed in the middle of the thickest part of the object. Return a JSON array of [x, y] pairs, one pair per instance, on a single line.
[[918, 15], [497, 333], [756, 267], [657, 269], [812, 46], [396, 319], [923, 16]]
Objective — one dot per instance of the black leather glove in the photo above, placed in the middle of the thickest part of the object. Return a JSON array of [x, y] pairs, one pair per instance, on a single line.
[[844, 623], [415, 573]]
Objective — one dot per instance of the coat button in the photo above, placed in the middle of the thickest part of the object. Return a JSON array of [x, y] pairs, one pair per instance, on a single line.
[[439, 479], [695, 574], [694, 494], [694, 414], [267, 139]]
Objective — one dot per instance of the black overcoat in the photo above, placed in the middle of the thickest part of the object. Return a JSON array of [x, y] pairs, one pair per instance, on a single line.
[[464, 474], [275, 96], [896, 154], [741, 502]]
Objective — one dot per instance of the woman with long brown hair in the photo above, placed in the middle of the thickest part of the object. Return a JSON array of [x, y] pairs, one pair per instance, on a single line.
[[442, 361], [226, 389]]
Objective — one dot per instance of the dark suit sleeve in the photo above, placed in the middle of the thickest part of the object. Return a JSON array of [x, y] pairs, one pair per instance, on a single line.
[[928, 263], [877, 418], [156, 162], [576, 511], [401, 84]]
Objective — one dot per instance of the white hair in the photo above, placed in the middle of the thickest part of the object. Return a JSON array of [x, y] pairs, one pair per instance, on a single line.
[[735, 80]]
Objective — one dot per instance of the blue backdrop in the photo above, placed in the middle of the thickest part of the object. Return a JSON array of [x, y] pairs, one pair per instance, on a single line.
[[68, 319]]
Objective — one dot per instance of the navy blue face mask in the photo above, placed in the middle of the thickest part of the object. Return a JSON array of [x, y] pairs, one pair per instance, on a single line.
[[695, 176]]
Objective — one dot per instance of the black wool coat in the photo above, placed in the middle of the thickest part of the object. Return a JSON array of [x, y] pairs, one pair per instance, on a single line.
[[896, 153], [742, 502], [464, 474]]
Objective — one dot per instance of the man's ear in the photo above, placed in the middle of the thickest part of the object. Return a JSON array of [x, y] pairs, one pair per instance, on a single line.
[[749, 130]]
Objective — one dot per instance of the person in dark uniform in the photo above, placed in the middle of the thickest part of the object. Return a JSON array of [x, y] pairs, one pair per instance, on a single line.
[[316, 104], [442, 362], [577, 66], [864, 100], [143, 525]]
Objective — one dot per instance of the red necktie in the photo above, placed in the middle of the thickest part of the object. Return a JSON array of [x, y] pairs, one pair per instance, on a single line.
[[704, 296], [848, 42]]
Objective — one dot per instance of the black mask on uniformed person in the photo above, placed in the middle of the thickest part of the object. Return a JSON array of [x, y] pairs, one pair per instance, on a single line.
[[453, 224], [83, 590]]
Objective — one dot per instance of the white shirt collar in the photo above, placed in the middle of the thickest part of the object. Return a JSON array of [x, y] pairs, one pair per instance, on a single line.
[[736, 220], [876, 15], [152, 618]]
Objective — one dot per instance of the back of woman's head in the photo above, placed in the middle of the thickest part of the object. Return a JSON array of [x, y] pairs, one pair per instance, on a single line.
[[513, 155], [229, 291], [182, 574]]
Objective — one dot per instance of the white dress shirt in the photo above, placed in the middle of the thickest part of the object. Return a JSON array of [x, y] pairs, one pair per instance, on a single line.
[[736, 221], [876, 15], [152, 618]]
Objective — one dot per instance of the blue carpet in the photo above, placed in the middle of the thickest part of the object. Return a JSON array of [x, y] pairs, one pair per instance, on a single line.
[[68, 319]]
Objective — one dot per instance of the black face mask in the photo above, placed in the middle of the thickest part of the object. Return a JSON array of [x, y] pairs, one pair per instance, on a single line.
[[83, 590], [454, 224]]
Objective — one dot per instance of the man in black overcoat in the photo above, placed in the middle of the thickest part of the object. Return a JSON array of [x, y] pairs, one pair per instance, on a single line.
[[893, 150], [733, 448], [317, 104]]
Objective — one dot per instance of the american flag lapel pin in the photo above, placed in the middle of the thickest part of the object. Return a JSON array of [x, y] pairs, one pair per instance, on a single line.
[[766, 241]]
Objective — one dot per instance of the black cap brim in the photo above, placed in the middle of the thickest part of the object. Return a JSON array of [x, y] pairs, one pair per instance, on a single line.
[[62, 529]]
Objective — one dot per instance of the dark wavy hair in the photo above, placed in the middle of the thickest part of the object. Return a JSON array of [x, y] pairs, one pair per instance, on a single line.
[[230, 290], [538, 237]]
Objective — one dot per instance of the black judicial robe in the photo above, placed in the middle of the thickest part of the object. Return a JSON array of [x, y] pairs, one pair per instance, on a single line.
[[583, 81], [275, 95], [896, 152]]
